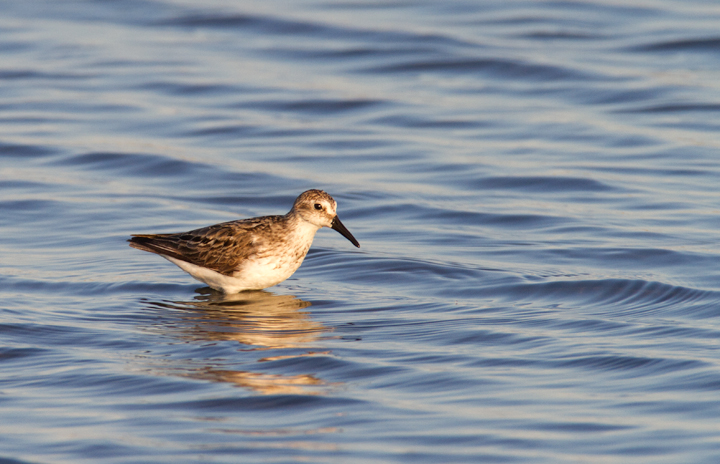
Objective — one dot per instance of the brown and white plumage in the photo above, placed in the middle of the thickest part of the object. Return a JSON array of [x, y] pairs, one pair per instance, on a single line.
[[249, 254]]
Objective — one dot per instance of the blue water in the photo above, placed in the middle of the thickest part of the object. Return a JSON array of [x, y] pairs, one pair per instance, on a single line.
[[535, 185]]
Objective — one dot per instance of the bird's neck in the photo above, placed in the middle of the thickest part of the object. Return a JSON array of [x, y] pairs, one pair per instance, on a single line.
[[301, 227]]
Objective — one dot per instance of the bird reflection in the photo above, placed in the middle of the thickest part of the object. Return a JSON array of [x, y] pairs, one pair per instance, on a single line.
[[261, 320], [268, 384], [258, 320]]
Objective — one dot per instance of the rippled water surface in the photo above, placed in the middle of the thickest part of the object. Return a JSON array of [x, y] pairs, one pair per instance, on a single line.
[[535, 185]]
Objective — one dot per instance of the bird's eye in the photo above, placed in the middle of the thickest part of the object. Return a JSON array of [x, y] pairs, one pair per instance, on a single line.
[[318, 206]]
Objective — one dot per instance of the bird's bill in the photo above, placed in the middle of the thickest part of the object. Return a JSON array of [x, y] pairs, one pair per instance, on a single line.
[[337, 225]]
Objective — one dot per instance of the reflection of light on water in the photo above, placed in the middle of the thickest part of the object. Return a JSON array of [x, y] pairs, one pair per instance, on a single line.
[[285, 433], [268, 384], [259, 320], [282, 432]]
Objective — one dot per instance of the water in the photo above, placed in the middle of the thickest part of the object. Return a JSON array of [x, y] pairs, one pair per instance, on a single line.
[[534, 185]]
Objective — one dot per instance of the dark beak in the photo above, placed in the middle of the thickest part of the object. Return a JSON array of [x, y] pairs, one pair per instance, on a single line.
[[337, 225]]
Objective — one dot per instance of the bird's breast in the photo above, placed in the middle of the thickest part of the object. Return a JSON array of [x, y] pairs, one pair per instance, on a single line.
[[270, 267]]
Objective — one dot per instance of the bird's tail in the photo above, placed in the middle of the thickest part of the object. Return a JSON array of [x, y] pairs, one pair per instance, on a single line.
[[161, 244]]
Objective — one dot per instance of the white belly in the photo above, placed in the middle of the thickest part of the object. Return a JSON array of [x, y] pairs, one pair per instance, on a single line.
[[254, 275]]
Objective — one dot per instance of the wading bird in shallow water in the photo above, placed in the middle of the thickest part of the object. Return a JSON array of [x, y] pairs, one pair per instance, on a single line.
[[249, 254]]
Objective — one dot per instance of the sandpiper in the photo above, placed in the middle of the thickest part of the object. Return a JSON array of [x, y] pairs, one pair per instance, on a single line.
[[249, 254]]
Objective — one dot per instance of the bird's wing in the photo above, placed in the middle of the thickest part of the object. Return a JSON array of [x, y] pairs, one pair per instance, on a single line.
[[221, 247]]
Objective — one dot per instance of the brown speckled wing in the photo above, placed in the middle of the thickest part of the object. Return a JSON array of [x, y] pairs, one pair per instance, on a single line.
[[221, 247]]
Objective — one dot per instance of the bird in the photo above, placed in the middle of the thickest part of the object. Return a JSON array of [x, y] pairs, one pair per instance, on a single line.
[[249, 254]]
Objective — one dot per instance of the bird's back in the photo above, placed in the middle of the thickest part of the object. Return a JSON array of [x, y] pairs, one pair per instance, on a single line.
[[220, 247]]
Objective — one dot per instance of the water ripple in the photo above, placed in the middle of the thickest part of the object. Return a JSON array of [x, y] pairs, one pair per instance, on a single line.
[[496, 67], [705, 44]]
